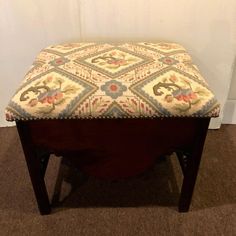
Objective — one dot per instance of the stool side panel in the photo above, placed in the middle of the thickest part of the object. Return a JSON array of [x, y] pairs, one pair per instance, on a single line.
[[104, 147]]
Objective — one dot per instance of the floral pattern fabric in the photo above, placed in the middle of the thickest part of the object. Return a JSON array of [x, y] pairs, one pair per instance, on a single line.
[[102, 80]]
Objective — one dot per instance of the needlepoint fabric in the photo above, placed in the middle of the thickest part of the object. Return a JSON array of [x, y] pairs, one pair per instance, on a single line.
[[107, 80]]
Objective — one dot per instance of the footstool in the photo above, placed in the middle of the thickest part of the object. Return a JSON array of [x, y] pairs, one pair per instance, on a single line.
[[115, 107]]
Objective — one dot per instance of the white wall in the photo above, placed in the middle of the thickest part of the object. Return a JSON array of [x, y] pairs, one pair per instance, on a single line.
[[232, 92], [206, 28], [230, 106]]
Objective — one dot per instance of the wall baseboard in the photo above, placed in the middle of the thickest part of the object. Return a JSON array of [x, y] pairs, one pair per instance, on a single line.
[[215, 123], [229, 112], [4, 123]]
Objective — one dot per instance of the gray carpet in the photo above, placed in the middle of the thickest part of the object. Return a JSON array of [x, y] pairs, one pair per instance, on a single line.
[[144, 205]]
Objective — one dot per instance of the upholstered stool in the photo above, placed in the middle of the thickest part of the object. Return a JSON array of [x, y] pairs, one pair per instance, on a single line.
[[116, 107]]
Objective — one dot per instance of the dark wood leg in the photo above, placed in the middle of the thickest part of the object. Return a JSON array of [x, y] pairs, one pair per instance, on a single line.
[[190, 164], [37, 164]]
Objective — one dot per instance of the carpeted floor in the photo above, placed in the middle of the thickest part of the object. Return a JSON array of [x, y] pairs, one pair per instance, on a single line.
[[145, 205]]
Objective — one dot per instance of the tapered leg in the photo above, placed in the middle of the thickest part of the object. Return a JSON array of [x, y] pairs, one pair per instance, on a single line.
[[36, 166], [192, 166]]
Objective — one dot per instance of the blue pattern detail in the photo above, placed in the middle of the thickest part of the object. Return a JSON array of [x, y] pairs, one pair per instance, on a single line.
[[20, 110], [206, 107]]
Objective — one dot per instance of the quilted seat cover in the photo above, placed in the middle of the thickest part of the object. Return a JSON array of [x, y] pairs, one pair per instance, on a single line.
[[104, 80]]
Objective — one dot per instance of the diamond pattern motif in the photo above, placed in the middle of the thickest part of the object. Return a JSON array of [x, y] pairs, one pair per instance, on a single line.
[[114, 62]]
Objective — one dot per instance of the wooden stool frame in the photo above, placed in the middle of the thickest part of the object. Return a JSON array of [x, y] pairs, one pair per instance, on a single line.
[[40, 138]]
